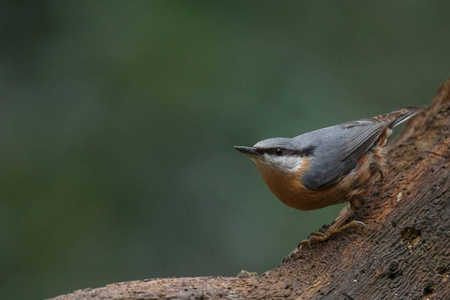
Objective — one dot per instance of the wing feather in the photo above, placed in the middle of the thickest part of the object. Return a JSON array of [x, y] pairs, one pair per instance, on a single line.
[[341, 146]]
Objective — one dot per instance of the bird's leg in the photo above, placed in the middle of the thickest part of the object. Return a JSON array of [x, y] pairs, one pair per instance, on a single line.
[[336, 227], [381, 174]]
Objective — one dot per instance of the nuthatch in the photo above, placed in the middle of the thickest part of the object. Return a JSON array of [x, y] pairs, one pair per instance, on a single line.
[[327, 166]]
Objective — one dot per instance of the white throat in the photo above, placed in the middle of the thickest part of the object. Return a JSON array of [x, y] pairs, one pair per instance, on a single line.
[[282, 164]]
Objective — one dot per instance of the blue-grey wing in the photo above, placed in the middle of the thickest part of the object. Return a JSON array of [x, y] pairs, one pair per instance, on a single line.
[[338, 152], [337, 149]]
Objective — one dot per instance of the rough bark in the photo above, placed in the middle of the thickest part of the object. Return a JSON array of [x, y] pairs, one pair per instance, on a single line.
[[403, 254]]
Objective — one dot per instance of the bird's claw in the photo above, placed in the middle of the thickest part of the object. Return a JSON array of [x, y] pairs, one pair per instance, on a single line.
[[318, 237]]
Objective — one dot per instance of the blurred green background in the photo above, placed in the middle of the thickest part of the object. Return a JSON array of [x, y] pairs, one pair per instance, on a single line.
[[118, 121]]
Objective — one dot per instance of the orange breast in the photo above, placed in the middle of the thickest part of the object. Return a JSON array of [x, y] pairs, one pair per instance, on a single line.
[[289, 189]]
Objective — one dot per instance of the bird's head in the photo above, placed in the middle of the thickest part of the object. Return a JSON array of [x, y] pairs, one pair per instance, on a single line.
[[275, 155]]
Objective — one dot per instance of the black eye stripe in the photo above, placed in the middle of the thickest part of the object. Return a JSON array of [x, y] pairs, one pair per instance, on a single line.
[[279, 151]]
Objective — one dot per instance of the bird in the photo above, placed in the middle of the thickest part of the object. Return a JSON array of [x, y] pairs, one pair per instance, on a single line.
[[328, 166]]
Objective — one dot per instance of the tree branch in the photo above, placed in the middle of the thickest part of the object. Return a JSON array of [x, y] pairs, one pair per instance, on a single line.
[[403, 254]]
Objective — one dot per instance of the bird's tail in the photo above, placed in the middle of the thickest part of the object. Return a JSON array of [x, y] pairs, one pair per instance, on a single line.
[[411, 112]]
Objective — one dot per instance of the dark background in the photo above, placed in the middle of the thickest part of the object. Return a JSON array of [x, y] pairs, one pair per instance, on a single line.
[[118, 121]]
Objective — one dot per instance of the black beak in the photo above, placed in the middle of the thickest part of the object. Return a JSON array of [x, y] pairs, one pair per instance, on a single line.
[[247, 150]]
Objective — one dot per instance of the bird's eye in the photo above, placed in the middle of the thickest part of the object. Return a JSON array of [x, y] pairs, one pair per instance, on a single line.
[[279, 151]]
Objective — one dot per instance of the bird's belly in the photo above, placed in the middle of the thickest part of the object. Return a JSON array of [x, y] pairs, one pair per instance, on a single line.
[[292, 193], [290, 190]]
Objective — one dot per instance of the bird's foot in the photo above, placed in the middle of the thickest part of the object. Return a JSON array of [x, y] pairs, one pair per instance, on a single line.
[[318, 237]]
